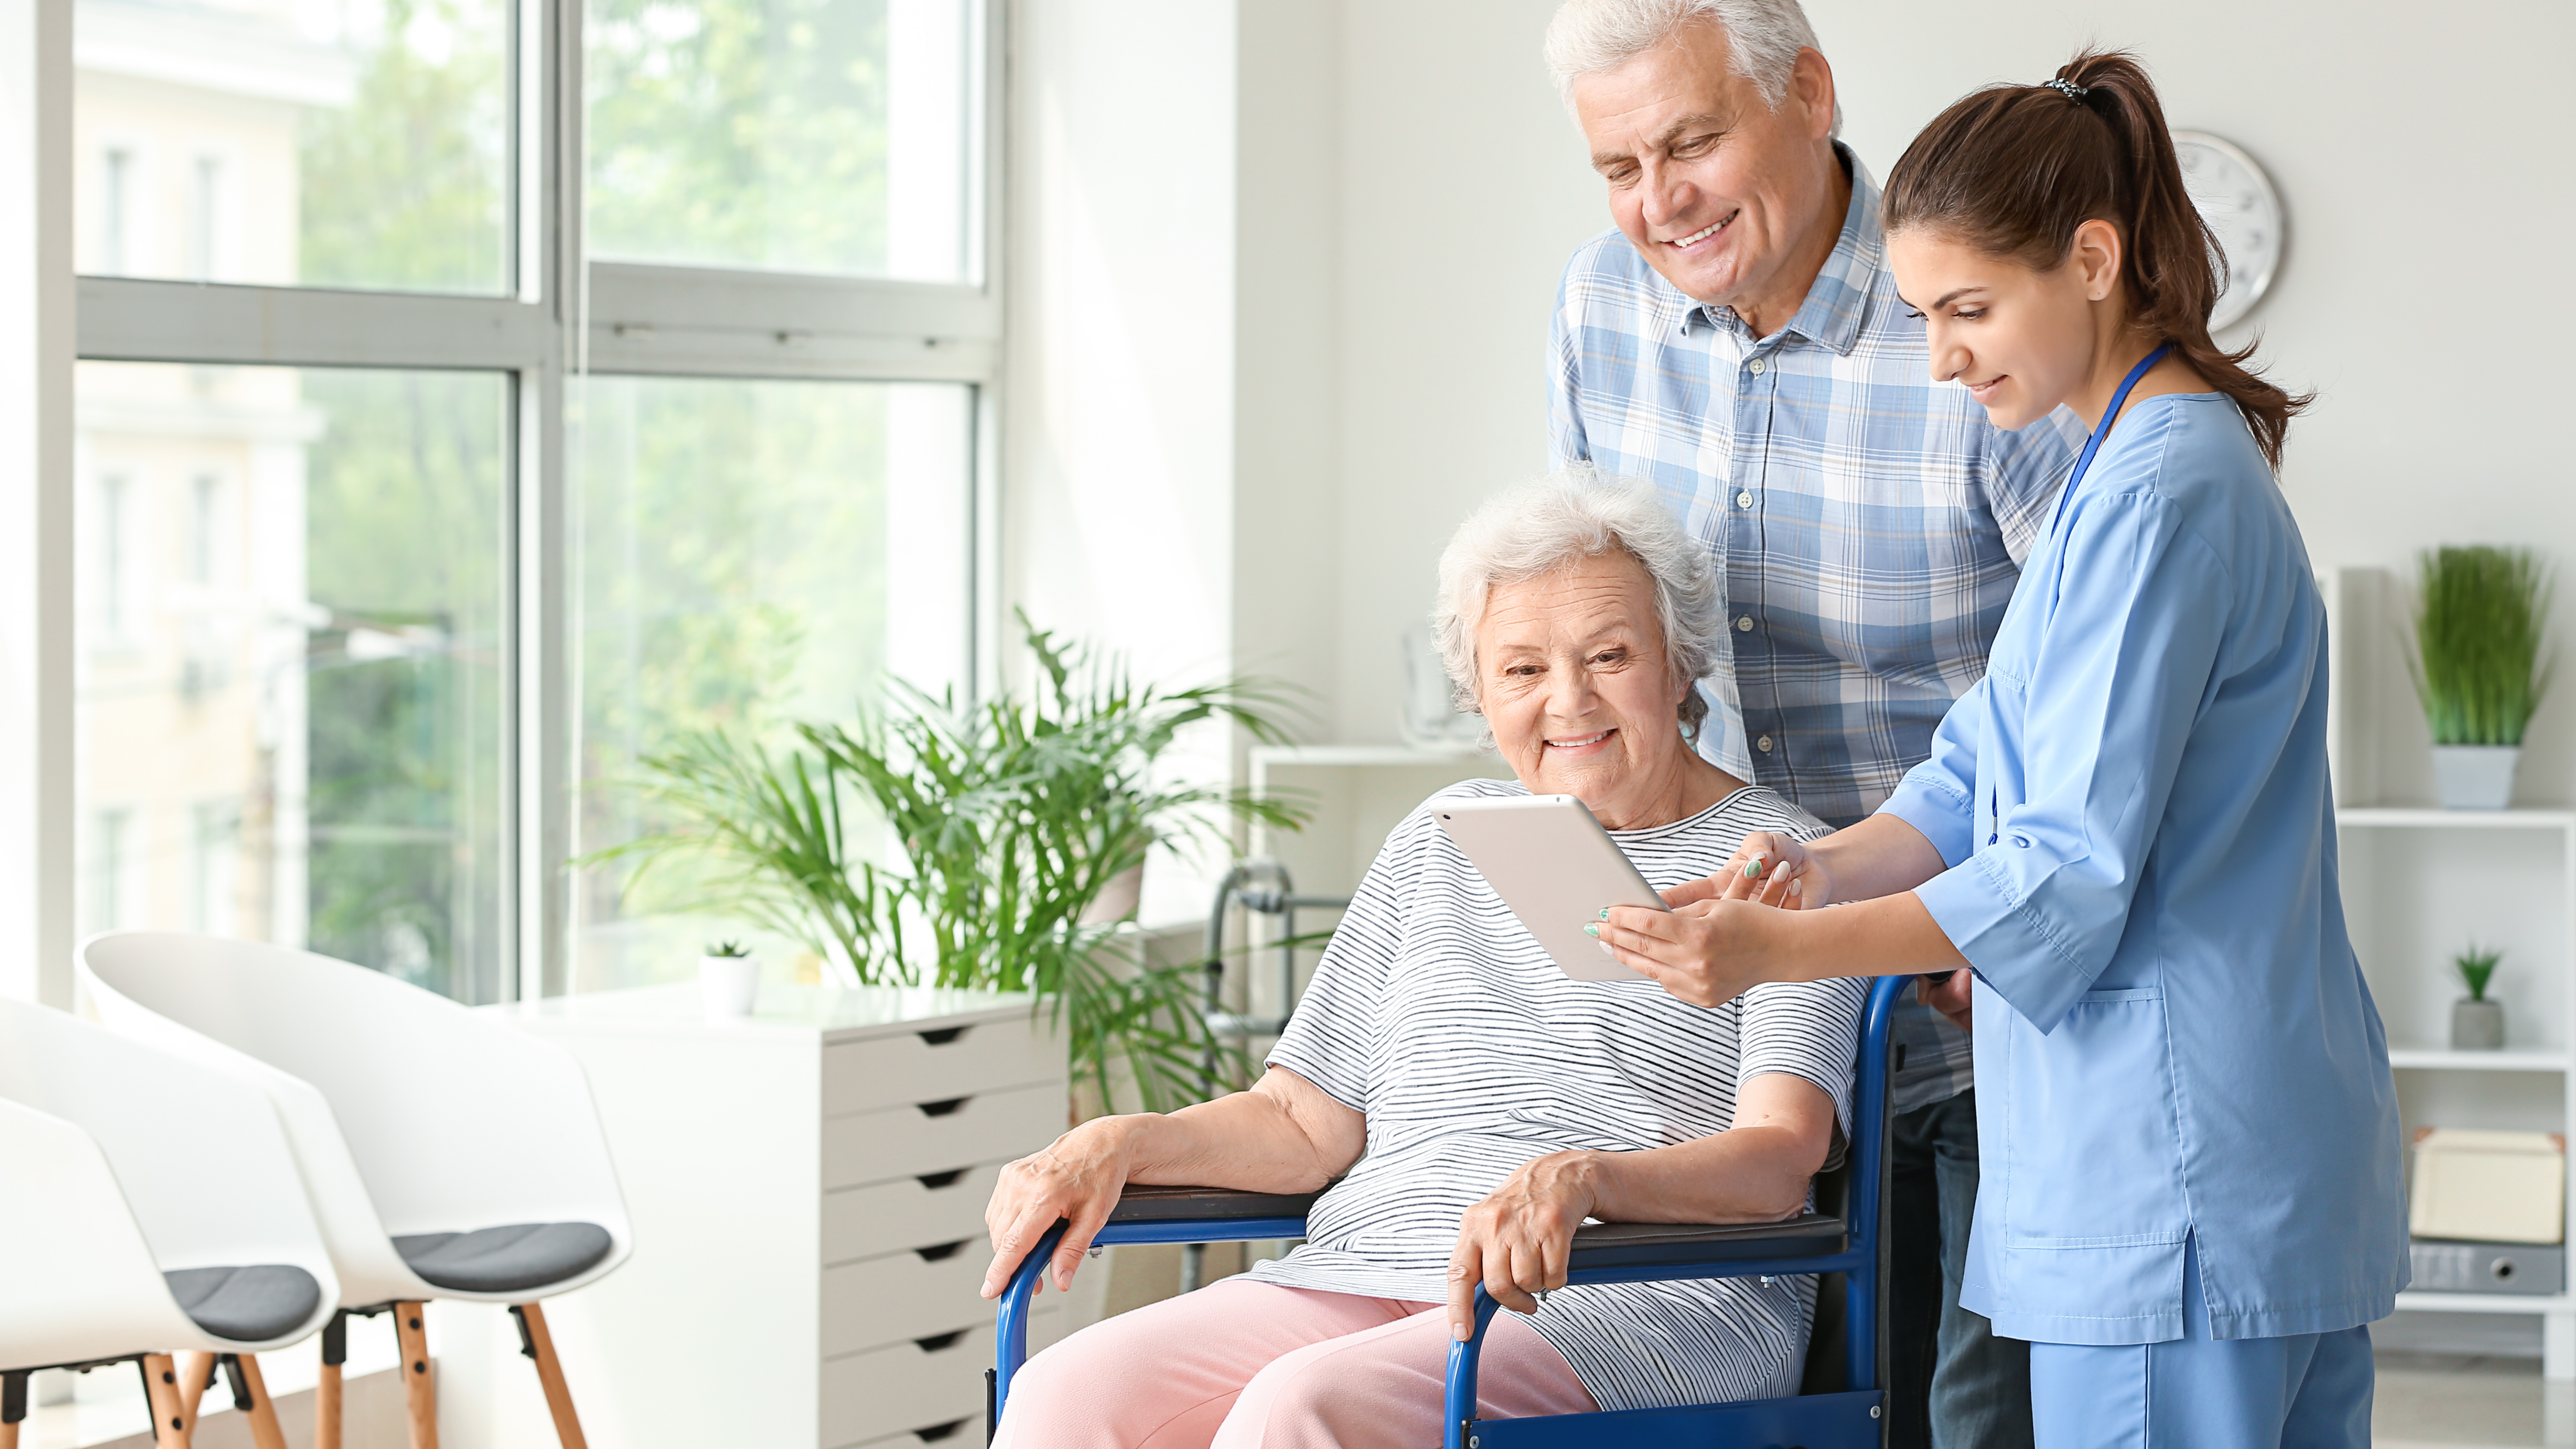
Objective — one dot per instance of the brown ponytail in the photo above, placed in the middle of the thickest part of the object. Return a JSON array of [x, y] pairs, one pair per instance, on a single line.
[[2014, 170]]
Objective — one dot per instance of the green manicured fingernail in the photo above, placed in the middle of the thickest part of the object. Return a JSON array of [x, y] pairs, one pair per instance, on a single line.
[[1753, 870], [1605, 913], [1594, 931]]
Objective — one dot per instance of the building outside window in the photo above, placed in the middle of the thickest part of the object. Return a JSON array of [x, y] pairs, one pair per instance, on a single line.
[[478, 476]]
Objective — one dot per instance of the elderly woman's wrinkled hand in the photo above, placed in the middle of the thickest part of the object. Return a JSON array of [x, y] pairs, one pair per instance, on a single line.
[[1518, 1240], [1078, 1178]]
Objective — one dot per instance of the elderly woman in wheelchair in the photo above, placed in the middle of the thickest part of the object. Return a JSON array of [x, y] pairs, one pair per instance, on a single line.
[[1468, 1103]]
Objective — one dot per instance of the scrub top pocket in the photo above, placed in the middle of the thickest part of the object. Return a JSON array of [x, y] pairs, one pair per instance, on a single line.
[[2097, 1091]]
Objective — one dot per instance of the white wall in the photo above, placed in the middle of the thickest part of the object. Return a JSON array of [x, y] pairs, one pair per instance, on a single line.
[[1118, 441]]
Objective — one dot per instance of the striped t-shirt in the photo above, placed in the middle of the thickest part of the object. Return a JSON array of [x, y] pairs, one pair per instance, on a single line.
[[1444, 1022]]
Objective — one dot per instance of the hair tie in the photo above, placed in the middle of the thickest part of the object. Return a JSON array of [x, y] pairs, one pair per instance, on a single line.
[[2068, 88]]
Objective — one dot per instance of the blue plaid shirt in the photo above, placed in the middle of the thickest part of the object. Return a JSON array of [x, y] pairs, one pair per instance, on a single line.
[[1871, 522]]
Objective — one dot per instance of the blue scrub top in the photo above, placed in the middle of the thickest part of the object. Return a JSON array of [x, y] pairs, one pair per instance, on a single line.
[[2173, 1038]]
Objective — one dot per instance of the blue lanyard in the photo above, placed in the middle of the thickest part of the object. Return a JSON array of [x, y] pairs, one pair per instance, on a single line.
[[2093, 444], [2083, 461]]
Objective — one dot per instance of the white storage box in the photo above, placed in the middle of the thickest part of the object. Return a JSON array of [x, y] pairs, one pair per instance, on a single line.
[[2489, 1187]]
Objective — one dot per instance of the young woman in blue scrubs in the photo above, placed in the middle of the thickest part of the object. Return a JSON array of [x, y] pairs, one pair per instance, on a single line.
[[2123, 842]]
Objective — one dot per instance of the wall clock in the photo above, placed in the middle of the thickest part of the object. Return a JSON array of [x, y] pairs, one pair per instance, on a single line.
[[2238, 201]]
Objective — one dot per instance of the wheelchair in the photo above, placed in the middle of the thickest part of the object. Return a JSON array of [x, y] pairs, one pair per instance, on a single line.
[[1841, 1403]]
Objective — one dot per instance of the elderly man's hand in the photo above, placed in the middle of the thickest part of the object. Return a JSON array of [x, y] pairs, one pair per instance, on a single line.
[[1517, 1241], [1078, 1178]]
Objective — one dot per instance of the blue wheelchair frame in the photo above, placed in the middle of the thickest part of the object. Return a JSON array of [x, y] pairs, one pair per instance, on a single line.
[[1851, 1417]]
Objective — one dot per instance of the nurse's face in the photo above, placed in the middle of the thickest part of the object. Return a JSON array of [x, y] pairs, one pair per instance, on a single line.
[[1571, 676], [2022, 340]]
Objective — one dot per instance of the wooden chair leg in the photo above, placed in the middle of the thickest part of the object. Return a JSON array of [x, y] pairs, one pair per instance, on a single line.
[[13, 1406], [420, 1395], [326, 1390], [541, 1347], [161, 1389], [196, 1375], [264, 1432]]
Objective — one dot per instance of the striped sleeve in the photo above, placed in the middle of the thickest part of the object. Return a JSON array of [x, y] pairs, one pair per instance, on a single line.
[[1808, 1029], [1329, 1038]]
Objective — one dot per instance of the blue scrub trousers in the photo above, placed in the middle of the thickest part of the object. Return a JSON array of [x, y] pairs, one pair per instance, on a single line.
[[2306, 1391]]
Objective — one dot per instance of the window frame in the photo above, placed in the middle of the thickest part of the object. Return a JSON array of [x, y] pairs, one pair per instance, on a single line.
[[565, 317]]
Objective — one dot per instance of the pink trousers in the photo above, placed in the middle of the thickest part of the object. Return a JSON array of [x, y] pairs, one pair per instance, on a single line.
[[1240, 1364]]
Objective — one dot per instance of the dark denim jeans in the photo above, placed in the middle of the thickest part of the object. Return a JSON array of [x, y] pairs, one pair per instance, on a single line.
[[1951, 1383]]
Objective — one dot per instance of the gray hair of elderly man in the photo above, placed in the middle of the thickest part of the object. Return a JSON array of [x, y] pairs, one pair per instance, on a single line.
[[1763, 39], [1539, 528]]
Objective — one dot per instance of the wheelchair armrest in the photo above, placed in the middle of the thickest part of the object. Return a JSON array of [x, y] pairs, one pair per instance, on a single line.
[[1143, 1204], [1683, 1245]]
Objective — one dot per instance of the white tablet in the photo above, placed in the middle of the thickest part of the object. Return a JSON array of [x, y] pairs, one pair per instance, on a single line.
[[1555, 866]]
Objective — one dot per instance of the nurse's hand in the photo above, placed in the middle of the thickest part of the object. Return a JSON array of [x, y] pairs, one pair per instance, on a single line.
[[1707, 951], [1518, 1241], [1769, 868]]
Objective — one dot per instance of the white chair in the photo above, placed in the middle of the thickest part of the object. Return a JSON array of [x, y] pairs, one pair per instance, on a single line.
[[448, 1155], [151, 1205]]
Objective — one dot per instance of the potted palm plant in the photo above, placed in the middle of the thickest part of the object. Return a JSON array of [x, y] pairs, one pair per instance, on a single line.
[[2479, 666], [991, 844]]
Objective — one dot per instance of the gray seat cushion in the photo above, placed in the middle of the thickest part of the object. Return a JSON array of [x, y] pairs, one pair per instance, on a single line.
[[505, 1260], [245, 1304]]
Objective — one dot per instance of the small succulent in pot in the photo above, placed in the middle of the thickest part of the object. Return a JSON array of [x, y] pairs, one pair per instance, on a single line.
[[729, 950], [2477, 1024]]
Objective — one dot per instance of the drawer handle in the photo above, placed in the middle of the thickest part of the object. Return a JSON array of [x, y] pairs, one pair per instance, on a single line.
[[934, 1181], [942, 1109], [941, 1036], [941, 1252], [937, 1432], [939, 1342]]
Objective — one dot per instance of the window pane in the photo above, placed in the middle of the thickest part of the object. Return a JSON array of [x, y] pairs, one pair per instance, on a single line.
[[359, 143], [830, 136], [752, 553], [289, 656]]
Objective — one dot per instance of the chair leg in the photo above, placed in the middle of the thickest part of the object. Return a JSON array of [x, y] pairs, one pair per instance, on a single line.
[[196, 1376], [13, 1406], [161, 1390], [326, 1390], [540, 1345], [420, 1395], [264, 1432]]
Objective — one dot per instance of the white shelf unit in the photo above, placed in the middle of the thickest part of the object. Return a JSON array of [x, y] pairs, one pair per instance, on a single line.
[[2419, 884]]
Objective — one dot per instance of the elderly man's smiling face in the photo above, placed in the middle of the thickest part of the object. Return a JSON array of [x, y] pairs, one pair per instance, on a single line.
[[1732, 200], [1573, 679]]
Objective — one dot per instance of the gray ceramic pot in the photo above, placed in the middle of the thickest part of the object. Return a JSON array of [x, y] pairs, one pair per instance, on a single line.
[[2477, 1026]]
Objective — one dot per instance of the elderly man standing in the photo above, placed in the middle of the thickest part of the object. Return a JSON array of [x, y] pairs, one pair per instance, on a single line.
[[1738, 341]]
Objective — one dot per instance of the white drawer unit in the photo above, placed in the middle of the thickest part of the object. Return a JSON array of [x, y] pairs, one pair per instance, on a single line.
[[808, 1191]]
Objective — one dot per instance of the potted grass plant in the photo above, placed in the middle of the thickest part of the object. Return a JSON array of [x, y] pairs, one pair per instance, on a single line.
[[989, 844], [2477, 1024], [2479, 666]]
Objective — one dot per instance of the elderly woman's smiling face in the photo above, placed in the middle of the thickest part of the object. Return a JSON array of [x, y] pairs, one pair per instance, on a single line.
[[1572, 675]]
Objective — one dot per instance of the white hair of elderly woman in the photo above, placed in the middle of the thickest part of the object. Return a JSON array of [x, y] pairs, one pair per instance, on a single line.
[[1763, 39], [1539, 528]]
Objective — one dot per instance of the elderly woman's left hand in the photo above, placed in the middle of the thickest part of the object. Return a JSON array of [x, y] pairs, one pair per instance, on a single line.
[[1518, 1240]]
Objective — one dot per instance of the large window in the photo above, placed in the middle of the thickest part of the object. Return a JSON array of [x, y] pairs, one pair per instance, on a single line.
[[452, 436]]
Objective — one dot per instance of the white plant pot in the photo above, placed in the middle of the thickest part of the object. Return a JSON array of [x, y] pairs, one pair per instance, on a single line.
[[2474, 777], [728, 986], [1117, 899]]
